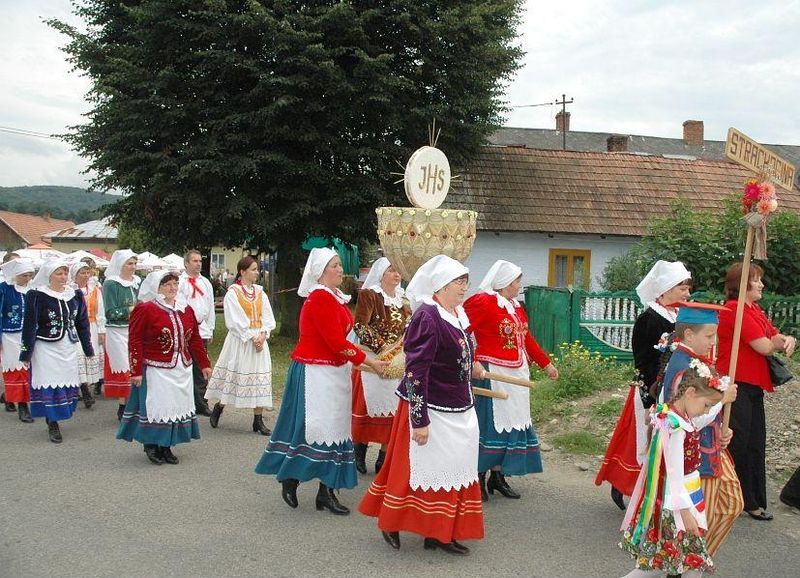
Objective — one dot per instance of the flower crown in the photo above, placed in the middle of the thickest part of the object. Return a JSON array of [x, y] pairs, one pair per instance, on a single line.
[[704, 371], [664, 343]]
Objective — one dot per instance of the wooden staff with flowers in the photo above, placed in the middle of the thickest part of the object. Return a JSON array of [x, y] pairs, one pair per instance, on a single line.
[[759, 201]]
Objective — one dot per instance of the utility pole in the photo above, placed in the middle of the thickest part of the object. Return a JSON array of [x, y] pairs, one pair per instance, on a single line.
[[564, 102]]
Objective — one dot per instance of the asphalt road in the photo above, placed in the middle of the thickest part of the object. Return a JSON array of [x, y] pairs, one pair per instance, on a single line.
[[94, 506]]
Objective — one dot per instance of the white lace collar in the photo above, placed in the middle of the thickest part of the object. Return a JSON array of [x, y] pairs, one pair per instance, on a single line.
[[507, 304], [459, 321], [20, 289], [670, 316], [124, 282], [65, 295], [163, 303], [337, 294], [396, 301]]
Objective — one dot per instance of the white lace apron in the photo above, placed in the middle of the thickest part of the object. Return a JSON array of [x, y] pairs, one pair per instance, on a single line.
[[379, 393], [514, 412], [117, 349], [170, 393]]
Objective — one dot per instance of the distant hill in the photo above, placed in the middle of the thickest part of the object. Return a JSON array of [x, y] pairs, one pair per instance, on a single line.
[[71, 203]]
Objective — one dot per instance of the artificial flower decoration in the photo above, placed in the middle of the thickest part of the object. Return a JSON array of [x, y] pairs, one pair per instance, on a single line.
[[701, 368], [759, 197]]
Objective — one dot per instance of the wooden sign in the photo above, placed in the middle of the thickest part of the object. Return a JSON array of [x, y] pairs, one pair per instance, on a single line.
[[427, 178], [748, 153]]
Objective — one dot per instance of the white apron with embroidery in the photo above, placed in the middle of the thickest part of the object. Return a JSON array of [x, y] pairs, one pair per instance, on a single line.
[[117, 349], [12, 345], [170, 393], [514, 412], [449, 461], [379, 393], [54, 364], [328, 404]]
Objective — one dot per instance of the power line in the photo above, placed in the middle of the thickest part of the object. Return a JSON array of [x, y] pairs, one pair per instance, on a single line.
[[531, 105], [26, 132]]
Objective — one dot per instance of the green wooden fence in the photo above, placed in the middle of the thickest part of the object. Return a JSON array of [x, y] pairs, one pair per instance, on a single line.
[[603, 321]]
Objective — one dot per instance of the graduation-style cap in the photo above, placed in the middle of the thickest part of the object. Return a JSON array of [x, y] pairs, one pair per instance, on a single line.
[[695, 313]]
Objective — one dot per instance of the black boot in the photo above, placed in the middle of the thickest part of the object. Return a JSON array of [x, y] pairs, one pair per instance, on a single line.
[[24, 414], [379, 461], [482, 484], [361, 457], [167, 455], [289, 492], [449, 547], [392, 538], [258, 425], [616, 497], [86, 396], [53, 432], [98, 388], [120, 411], [153, 454], [9, 406], [497, 481], [215, 413], [326, 498]]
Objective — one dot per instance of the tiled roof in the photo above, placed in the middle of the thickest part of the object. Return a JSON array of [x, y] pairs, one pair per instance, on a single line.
[[553, 191], [540, 138], [100, 229], [32, 227]]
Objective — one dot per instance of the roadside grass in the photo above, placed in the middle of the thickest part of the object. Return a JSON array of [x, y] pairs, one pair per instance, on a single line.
[[580, 442]]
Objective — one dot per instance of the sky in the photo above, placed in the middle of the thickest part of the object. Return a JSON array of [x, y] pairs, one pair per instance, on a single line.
[[631, 66]]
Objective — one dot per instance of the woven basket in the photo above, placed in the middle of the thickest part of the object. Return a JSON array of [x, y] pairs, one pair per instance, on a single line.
[[410, 237]]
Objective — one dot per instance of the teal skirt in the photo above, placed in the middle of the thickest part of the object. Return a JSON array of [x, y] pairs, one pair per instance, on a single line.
[[134, 424], [516, 452], [290, 456]]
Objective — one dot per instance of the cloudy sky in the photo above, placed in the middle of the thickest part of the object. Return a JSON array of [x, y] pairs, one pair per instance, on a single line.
[[632, 66]]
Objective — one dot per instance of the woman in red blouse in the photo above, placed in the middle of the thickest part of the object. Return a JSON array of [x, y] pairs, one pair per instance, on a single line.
[[759, 339]]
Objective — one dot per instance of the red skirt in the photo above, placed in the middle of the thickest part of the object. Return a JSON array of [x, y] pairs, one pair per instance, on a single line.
[[115, 384], [446, 515], [620, 467], [365, 428], [18, 387]]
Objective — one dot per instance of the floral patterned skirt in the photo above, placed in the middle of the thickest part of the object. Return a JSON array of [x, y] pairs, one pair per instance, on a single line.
[[672, 552]]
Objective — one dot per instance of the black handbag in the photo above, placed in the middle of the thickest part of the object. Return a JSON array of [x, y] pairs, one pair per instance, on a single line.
[[778, 373]]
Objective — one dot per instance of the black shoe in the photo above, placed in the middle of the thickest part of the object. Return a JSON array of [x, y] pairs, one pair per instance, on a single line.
[[86, 396], [392, 538], [459, 546], [24, 414], [482, 484], [361, 456], [168, 456], [379, 461], [449, 547], [9, 406], [497, 481], [762, 516], [616, 497], [153, 454], [202, 409], [259, 426], [98, 389], [53, 432], [326, 498], [120, 411], [289, 492], [215, 413]]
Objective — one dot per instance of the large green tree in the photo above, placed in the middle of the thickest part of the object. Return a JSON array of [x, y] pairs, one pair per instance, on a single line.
[[259, 122]]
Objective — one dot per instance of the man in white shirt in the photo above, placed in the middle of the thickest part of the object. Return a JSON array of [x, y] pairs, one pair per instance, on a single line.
[[196, 291]]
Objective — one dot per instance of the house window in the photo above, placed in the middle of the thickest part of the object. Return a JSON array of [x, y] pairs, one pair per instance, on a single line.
[[217, 261], [569, 267]]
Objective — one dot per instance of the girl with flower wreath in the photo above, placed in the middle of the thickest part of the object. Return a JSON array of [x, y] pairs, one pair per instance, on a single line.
[[665, 523]]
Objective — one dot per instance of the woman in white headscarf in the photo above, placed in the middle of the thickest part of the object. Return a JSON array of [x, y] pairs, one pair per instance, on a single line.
[[90, 369], [429, 482], [508, 445], [55, 320], [380, 320], [666, 284], [119, 296], [242, 375], [164, 337], [17, 273], [312, 436]]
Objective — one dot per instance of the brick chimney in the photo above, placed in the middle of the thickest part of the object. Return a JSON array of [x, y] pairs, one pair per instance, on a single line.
[[693, 132], [617, 143], [562, 121]]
